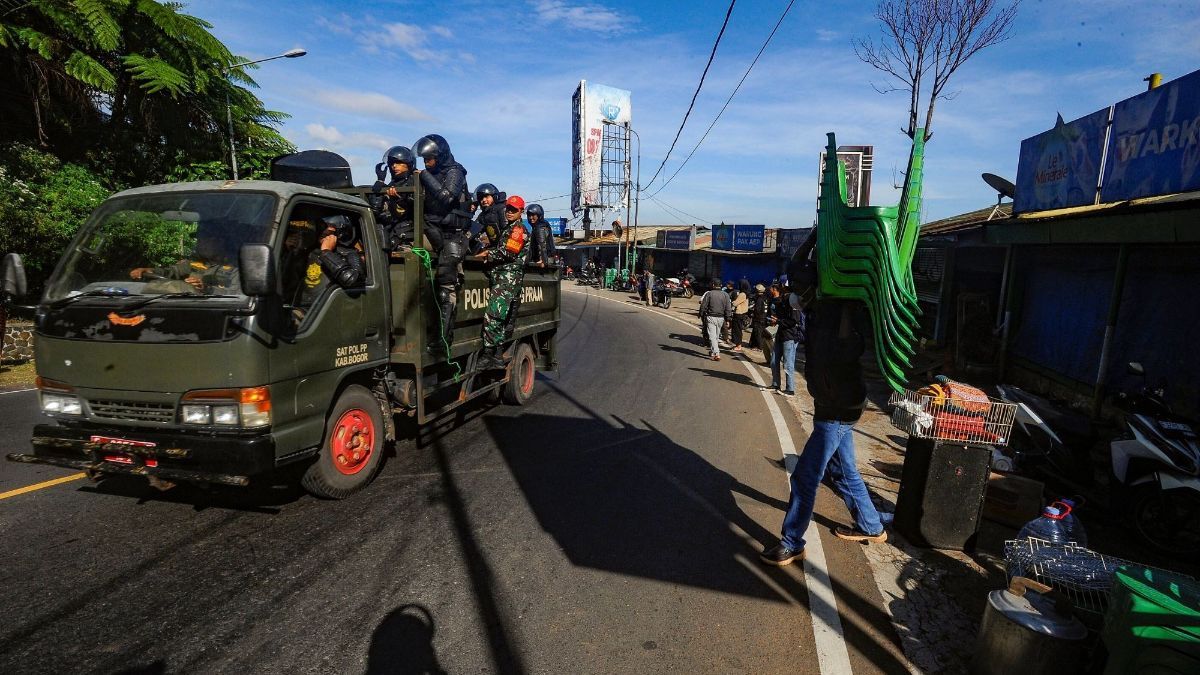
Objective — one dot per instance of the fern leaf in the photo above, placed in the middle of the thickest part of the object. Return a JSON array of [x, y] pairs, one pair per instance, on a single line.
[[104, 29], [38, 42], [90, 71], [156, 75]]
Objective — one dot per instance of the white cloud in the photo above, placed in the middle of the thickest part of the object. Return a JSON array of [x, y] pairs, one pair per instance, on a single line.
[[826, 35], [334, 139], [341, 24], [412, 40], [582, 16], [369, 104]]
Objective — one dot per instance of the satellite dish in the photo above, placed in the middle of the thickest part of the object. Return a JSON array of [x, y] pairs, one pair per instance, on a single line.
[[1002, 185], [617, 229]]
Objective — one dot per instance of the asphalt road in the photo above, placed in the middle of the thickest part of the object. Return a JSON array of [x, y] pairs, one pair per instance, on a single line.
[[611, 525]]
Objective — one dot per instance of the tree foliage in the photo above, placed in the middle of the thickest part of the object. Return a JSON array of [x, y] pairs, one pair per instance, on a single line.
[[924, 42], [130, 85], [42, 204]]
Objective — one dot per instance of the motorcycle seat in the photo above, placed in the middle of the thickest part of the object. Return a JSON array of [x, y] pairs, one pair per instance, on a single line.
[[1073, 428]]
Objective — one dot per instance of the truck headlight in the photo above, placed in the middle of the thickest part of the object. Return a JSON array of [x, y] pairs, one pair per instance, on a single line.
[[58, 398], [61, 404], [250, 407]]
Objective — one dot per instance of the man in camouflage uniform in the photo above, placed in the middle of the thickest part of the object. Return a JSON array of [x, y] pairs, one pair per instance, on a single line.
[[506, 269], [209, 271]]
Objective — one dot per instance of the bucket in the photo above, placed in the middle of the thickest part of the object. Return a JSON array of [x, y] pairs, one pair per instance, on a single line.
[[1027, 629]]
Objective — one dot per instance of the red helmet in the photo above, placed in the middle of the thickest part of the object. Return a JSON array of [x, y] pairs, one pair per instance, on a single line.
[[515, 202]]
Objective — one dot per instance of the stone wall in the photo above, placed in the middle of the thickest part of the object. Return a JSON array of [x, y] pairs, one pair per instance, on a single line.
[[18, 342]]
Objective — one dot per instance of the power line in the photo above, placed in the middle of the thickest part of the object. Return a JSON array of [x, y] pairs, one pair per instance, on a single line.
[[546, 199], [711, 56], [730, 99], [677, 212]]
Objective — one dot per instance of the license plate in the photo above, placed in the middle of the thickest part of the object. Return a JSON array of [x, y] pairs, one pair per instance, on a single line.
[[122, 441]]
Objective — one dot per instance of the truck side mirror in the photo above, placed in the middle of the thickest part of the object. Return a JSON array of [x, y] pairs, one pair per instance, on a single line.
[[12, 276], [256, 269], [1136, 368]]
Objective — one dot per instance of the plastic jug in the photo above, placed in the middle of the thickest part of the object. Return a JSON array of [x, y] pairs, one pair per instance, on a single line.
[[1073, 525], [1048, 526]]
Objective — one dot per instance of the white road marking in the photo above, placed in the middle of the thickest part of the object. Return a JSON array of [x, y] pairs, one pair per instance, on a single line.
[[15, 391], [832, 654]]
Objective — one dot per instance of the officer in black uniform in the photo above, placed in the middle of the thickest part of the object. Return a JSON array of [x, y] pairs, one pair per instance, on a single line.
[[448, 222], [544, 253], [341, 255], [490, 220], [394, 208]]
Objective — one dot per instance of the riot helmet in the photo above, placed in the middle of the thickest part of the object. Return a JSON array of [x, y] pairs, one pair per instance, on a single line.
[[398, 154], [485, 189], [433, 147], [342, 228], [535, 210]]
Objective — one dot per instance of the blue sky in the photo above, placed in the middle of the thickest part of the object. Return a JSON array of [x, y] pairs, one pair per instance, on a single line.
[[495, 78]]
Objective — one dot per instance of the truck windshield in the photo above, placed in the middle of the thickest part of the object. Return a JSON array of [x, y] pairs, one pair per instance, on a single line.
[[172, 244]]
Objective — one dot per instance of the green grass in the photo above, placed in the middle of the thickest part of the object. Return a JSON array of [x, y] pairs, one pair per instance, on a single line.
[[17, 376]]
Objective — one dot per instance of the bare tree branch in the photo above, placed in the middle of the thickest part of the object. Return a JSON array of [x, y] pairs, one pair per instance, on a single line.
[[923, 42]]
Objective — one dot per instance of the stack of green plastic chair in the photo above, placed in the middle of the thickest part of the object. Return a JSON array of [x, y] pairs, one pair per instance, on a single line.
[[865, 253]]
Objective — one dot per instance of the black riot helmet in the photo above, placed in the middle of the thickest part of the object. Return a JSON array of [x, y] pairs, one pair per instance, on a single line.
[[342, 228], [535, 210], [399, 153], [485, 189], [434, 146]]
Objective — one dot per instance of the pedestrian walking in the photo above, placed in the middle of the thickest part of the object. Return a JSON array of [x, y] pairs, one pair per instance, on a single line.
[[715, 309], [790, 321], [741, 314], [649, 281], [758, 315], [835, 343]]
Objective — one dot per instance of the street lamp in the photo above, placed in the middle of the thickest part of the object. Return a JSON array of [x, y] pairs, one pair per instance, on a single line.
[[637, 193], [290, 54]]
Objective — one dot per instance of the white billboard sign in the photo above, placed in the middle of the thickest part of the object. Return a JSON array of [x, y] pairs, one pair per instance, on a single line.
[[593, 106]]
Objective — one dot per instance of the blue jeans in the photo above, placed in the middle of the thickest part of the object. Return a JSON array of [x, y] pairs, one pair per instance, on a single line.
[[829, 448], [785, 351]]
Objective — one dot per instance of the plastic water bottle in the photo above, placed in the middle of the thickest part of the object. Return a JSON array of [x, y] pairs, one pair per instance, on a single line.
[[1073, 526], [1048, 526]]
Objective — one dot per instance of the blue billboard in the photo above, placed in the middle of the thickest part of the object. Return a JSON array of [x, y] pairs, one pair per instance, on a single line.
[[1061, 167], [559, 225], [749, 237], [1154, 147], [678, 239], [722, 237], [787, 241]]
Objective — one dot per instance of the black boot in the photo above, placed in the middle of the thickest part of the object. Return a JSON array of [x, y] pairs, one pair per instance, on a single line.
[[447, 307]]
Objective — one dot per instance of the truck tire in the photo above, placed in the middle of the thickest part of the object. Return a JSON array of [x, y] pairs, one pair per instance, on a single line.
[[352, 452], [522, 374]]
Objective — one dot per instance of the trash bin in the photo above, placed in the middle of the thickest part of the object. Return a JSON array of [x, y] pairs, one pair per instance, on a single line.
[[1153, 622], [942, 487]]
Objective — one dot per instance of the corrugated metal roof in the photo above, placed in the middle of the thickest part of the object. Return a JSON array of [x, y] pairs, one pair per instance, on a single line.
[[966, 221]]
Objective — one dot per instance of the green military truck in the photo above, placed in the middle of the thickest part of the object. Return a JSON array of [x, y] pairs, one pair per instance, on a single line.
[[186, 335]]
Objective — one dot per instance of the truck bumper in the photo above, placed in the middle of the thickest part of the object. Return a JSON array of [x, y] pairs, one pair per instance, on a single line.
[[196, 458]]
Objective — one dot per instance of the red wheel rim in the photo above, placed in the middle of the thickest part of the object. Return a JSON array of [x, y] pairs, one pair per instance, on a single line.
[[352, 441], [527, 376]]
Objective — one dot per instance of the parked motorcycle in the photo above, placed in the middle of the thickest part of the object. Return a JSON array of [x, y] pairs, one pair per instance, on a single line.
[[1047, 438], [678, 288], [1156, 470], [662, 295]]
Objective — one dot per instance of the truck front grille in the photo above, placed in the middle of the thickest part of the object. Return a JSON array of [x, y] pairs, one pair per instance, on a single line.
[[163, 413]]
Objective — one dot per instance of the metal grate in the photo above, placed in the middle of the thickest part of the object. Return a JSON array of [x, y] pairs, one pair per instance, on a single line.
[[163, 413], [1082, 575], [951, 419]]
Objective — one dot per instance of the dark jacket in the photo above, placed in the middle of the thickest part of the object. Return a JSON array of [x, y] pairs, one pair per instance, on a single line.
[[716, 303], [490, 222], [791, 321], [344, 266], [543, 239], [837, 332], [446, 191]]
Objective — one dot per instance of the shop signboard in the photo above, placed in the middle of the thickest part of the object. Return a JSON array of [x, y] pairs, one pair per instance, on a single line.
[[722, 237], [749, 237], [1154, 146], [790, 240], [1060, 168], [680, 240]]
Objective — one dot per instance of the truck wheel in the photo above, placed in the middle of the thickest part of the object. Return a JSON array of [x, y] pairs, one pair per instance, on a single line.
[[353, 448], [522, 374]]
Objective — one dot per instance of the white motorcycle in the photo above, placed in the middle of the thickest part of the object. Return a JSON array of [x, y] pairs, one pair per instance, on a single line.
[[1156, 470]]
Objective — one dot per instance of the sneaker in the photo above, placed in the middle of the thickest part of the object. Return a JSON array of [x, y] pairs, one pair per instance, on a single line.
[[851, 534], [716, 357], [780, 555], [782, 392], [768, 387]]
